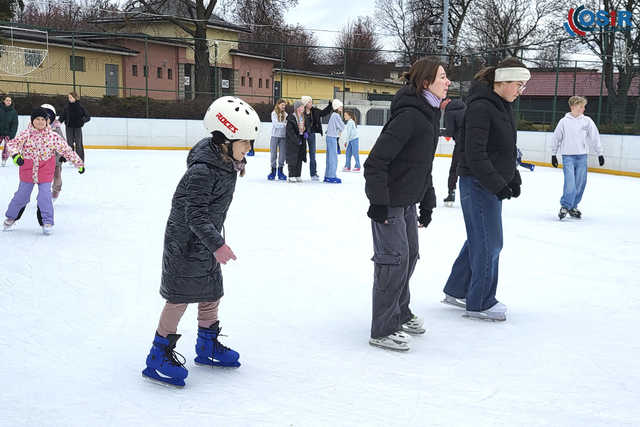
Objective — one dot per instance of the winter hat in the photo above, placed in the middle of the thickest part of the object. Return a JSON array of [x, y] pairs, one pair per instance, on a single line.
[[336, 104], [39, 112], [306, 99], [51, 110], [297, 105]]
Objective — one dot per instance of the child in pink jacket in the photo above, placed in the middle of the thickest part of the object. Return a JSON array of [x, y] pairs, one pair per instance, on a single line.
[[33, 150]]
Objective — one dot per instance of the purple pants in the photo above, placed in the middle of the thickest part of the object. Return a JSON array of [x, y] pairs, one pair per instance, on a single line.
[[23, 195], [5, 152]]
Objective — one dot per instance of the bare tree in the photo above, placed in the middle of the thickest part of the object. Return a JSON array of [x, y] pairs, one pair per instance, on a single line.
[[416, 25], [193, 18], [66, 14], [620, 55], [10, 8], [458, 12], [501, 28], [361, 44]]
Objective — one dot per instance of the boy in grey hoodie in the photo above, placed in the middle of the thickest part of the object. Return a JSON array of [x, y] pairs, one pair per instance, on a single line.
[[573, 136]]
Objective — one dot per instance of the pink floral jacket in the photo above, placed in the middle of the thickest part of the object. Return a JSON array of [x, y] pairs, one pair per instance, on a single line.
[[38, 148]]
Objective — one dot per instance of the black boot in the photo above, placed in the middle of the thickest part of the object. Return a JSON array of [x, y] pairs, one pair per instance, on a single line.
[[450, 198]]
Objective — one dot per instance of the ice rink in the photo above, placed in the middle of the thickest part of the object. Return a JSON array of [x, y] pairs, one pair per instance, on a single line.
[[78, 309]]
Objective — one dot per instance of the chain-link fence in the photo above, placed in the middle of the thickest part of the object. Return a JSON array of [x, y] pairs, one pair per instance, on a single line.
[[138, 75]]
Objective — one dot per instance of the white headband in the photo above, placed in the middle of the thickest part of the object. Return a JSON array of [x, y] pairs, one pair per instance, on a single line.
[[512, 74]]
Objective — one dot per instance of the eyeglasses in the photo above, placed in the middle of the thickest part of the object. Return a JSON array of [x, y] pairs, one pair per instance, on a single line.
[[522, 88]]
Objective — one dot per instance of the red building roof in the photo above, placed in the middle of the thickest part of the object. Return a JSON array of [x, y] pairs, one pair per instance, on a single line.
[[587, 83]]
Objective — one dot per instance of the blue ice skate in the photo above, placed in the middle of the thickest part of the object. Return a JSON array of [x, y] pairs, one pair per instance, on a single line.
[[281, 175], [163, 364], [211, 352]]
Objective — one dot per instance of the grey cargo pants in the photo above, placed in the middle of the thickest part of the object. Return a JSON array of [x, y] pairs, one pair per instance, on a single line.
[[395, 248]]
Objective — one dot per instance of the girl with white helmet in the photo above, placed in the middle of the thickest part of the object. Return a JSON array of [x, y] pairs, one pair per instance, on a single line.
[[194, 242], [56, 126]]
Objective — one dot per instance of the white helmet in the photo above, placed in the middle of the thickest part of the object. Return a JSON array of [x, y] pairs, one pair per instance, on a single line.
[[233, 117], [51, 109], [336, 103]]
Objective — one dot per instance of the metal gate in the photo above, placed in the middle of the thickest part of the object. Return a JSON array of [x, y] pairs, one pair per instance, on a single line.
[[111, 79]]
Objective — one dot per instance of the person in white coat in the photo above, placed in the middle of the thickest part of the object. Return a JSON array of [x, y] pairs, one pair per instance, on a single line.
[[572, 138]]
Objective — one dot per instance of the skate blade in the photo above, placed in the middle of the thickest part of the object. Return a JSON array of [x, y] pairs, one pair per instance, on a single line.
[[384, 347], [485, 318], [209, 362], [448, 204], [454, 304], [414, 331], [151, 375]]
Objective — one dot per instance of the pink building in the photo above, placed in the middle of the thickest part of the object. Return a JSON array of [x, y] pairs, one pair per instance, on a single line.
[[253, 76]]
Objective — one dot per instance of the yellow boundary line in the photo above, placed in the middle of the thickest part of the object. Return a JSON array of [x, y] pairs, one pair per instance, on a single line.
[[266, 150]]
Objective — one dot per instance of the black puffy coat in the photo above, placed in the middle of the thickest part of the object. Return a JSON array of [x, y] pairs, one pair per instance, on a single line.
[[398, 169], [190, 273], [489, 152], [454, 121], [294, 140], [8, 121], [314, 118], [74, 115]]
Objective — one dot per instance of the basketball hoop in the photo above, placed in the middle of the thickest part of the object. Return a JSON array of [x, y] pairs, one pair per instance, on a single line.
[[18, 60]]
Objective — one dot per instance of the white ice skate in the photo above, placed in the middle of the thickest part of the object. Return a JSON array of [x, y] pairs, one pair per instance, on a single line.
[[497, 313], [388, 343], [455, 302], [47, 229], [4, 163], [414, 326], [8, 223]]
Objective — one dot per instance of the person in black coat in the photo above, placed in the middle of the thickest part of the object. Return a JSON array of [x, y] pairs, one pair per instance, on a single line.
[[296, 134], [488, 175], [74, 117], [454, 123], [314, 118], [397, 176], [8, 124], [194, 242]]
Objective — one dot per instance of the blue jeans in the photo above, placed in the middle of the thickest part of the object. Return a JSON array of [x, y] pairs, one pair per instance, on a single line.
[[353, 149], [311, 141], [474, 274], [574, 168], [332, 157]]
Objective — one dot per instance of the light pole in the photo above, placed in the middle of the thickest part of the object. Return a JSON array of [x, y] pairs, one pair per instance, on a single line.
[[445, 31]]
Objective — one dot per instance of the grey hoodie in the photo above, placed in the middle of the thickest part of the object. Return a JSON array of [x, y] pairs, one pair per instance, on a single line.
[[574, 135]]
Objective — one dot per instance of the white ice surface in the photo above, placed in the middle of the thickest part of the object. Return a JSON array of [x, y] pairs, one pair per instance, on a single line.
[[78, 309]]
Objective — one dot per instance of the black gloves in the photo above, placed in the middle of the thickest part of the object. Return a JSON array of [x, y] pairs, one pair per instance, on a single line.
[[505, 193], [601, 160], [515, 189], [554, 161], [378, 213], [62, 159], [425, 217], [18, 160]]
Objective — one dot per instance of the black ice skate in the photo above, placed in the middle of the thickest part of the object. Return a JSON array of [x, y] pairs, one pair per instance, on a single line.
[[575, 213], [448, 202], [563, 213]]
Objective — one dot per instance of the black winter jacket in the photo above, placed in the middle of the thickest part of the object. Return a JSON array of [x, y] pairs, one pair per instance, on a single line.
[[454, 121], [489, 151], [294, 139], [315, 119], [74, 115], [8, 121], [398, 169], [190, 272]]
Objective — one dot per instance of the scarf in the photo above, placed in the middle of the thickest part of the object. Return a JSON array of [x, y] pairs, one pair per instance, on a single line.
[[433, 100]]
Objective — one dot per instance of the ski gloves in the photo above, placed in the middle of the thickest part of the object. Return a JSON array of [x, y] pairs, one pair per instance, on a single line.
[[81, 170], [18, 160], [554, 161], [425, 217], [506, 193]]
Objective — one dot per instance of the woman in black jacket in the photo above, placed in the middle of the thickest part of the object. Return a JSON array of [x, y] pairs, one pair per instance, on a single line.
[[313, 116], [296, 133], [398, 175], [74, 117], [454, 123], [194, 242], [488, 175]]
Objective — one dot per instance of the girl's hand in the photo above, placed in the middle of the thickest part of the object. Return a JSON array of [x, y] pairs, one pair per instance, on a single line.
[[224, 254]]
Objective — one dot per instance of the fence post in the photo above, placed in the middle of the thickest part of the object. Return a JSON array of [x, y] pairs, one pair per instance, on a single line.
[[575, 75], [146, 76], [344, 76], [555, 92], [281, 69], [604, 43], [215, 69], [73, 59]]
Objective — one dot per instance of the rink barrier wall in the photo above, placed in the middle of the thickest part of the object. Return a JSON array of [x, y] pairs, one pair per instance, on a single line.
[[622, 152]]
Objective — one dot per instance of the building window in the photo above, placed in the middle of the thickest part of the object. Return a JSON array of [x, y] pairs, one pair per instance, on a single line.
[[134, 70], [169, 74], [260, 83], [242, 81], [266, 82], [76, 63], [159, 72], [32, 58], [145, 70], [250, 81]]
